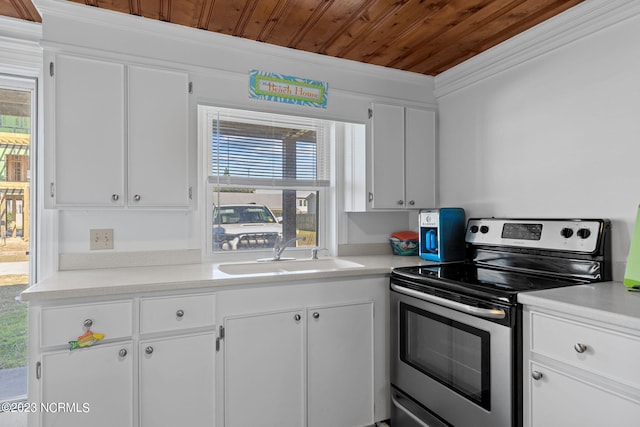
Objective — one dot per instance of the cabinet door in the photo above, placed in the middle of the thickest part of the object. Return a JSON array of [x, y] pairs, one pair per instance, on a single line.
[[88, 121], [264, 370], [177, 381], [340, 366], [94, 385], [387, 155], [562, 400], [420, 158], [158, 137]]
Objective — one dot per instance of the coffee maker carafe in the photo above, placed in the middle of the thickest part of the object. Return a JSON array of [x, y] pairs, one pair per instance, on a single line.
[[441, 236]]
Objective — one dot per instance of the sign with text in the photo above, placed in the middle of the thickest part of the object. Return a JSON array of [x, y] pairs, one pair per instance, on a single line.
[[287, 89]]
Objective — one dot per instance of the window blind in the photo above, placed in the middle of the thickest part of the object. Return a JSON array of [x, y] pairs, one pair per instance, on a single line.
[[252, 149]]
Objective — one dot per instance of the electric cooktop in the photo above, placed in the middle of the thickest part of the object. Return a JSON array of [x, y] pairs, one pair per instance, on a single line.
[[479, 281]]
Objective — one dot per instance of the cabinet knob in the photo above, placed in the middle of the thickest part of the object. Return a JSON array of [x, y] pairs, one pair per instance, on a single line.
[[115, 197], [297, 317], [580, 348], [316, 315], [137, 198], [122, 352], [536, 375], [412, 202], [88, 323], [148, 350], [401, 202], [179, 313]]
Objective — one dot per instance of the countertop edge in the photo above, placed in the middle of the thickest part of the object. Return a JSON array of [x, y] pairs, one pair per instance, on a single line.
[[124, 281], [604, 302]]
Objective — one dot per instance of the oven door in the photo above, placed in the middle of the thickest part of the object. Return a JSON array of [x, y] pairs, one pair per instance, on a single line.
[[450, 360]]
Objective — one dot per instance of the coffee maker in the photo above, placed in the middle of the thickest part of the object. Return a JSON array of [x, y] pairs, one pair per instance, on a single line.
[[441, 236]]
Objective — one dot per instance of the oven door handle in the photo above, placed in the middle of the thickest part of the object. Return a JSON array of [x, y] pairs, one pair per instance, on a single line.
[[489, 313], [407, 412]]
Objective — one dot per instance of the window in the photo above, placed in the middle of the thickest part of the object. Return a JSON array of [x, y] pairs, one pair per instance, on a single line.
[[267, 177]]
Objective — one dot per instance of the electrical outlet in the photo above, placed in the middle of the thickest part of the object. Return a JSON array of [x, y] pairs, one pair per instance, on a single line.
[[101, 239]]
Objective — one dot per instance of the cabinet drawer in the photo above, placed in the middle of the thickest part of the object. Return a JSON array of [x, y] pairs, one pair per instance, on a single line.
[[605, 352], [59, 325], [173, 313]]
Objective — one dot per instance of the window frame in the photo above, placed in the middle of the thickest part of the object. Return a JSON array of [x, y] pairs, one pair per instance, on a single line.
[[326, 194]]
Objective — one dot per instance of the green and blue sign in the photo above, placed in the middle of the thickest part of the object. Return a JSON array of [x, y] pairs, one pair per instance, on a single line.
[[291, 90]]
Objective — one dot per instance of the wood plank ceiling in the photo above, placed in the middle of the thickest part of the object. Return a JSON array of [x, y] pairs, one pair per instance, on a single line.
[[422, 36]]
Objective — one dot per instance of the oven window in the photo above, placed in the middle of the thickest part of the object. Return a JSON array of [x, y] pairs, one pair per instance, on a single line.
[[452, 353]]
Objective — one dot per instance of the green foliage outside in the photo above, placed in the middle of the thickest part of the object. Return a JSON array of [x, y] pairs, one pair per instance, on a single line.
[[13, 332]]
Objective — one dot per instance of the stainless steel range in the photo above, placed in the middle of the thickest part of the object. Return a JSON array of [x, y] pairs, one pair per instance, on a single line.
[[456, 344]]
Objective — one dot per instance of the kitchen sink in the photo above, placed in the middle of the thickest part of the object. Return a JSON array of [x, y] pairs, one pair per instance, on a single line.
[[287, 266]]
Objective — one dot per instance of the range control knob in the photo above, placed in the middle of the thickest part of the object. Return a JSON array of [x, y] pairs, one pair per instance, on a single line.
[[484, 229], [474, 229], [566, 232], [584, 233]]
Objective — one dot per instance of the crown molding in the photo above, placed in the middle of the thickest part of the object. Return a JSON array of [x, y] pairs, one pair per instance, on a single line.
[[162, 30], [581, 20], [19, 44], [20, 29]]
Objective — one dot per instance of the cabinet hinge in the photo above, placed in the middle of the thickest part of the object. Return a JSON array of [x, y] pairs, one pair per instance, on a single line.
[[51, 68], [219, 338], [190, 87], [370, 113], [52, 192], [190, 193]]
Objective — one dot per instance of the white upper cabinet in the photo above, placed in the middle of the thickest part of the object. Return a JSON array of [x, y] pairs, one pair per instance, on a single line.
[[158, 137], [387, 152], [396, 167], [420, 158], [121, 135], [87, 120]]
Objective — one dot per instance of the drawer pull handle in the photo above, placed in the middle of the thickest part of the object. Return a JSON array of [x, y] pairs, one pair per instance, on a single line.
[[316, 315], [180, 313], [536, 375], [88, 323], [580, 348], [148, 350], [297, 317], [122, 352]]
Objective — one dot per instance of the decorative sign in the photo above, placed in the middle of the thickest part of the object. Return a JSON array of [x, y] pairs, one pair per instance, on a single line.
[[287, 89]]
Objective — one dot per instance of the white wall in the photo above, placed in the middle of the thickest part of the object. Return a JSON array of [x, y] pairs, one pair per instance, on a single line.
[[555, 135], [219, 67]]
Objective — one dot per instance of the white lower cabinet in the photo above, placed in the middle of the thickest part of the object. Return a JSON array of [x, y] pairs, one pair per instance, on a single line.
[[295, 355], [560, 399], [264, 370], [87, 387], [155, 372], [340, 365], [311, 366], [176, 381], [578, 372]]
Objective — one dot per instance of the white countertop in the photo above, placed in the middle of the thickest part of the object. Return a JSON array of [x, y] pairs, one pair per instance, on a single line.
[[130, 280], [608, 302]]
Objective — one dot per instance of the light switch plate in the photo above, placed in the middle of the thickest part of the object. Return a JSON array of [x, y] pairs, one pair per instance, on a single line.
[[101, 238]]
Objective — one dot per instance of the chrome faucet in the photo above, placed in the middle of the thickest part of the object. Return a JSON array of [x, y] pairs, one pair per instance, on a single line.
[[278, 249]]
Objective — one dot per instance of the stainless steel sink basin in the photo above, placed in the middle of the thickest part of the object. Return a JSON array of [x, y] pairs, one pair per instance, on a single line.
[[287, 266]]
